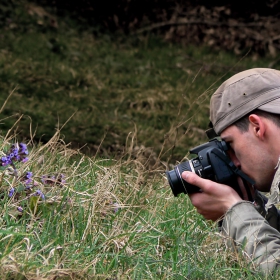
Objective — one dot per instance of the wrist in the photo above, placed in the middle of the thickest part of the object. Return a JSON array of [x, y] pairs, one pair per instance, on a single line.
[[236, 199], [238, 203]]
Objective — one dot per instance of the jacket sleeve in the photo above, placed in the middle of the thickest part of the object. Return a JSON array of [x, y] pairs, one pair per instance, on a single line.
[[271, 213], [247, 229]]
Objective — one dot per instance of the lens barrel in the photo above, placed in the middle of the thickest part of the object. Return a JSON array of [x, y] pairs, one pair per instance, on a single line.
[[177, 183]]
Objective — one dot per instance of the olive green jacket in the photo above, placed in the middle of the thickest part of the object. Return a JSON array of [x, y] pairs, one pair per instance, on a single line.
[[255, 228]]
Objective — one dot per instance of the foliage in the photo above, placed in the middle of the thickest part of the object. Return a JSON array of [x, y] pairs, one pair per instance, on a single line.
[[126, 14], [224, 25]]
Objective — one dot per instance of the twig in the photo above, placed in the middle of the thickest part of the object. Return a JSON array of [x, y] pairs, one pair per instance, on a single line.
[[5, 102], [189, 22]]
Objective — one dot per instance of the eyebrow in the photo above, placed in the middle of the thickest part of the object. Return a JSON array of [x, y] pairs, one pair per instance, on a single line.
[[226, 138]]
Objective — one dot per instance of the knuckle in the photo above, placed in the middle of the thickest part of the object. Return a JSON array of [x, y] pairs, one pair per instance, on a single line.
[[195, 200]]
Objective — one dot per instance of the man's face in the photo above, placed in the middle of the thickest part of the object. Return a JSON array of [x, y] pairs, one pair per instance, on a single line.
[[250, 155]]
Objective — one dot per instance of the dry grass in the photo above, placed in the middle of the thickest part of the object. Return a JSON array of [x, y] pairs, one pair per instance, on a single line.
[[111, 219]]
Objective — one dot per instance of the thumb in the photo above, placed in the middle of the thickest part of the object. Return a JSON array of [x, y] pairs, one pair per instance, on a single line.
[[194, 179]]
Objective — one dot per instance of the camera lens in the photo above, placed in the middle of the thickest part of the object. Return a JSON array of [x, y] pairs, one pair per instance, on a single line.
[[177, 183]]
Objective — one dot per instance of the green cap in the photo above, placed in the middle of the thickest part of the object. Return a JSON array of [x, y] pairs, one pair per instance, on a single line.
[[257, 88]]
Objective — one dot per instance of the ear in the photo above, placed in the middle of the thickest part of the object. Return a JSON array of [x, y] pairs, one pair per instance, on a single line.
[[258, 125]]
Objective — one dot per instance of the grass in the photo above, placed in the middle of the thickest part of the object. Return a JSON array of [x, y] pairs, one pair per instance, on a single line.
[[109, 220], [109, 86], [139, 102]]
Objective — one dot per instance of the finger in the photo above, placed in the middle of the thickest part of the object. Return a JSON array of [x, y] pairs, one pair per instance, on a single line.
[[194, 179], [196, 199]]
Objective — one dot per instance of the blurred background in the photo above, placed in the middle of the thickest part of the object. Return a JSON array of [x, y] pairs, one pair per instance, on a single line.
[[126, 75]]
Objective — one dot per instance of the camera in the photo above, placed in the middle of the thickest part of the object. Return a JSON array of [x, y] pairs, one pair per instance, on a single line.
[[211, 163]]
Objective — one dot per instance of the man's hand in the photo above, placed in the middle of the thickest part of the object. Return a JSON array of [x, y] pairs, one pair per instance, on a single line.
[[214, 199]]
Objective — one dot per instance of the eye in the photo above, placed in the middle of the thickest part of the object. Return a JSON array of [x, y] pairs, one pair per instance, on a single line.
[[230, 147], [228, 143], [231, 153]]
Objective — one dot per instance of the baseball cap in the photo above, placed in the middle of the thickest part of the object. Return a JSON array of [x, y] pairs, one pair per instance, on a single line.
[[257, 88]]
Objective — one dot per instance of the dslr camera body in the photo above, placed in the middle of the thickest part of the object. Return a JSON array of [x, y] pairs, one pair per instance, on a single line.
[[211, 163]]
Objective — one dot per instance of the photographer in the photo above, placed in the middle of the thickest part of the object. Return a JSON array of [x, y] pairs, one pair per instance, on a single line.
[[245, 113]]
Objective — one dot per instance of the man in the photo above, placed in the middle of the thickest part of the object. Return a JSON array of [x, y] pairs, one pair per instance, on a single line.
[[245, 112]]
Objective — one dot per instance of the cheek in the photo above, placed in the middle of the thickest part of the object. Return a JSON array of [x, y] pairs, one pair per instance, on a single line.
[[248, 160], [241, 150], [238, 155]]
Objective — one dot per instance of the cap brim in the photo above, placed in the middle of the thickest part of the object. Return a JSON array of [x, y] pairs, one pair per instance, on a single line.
[[211, 133], [271, 107]]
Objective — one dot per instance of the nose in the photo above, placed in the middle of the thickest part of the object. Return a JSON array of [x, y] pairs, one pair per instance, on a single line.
[[234, 159]]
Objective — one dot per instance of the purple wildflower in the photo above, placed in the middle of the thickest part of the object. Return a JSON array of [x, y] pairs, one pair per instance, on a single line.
[[28, 179], [29, 175], [11, 192], [20, 209], [48, 179], [21, 152], [60, 179], [6, 160], [18, 152], [23, 148], [116, 207], [39, 193]]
